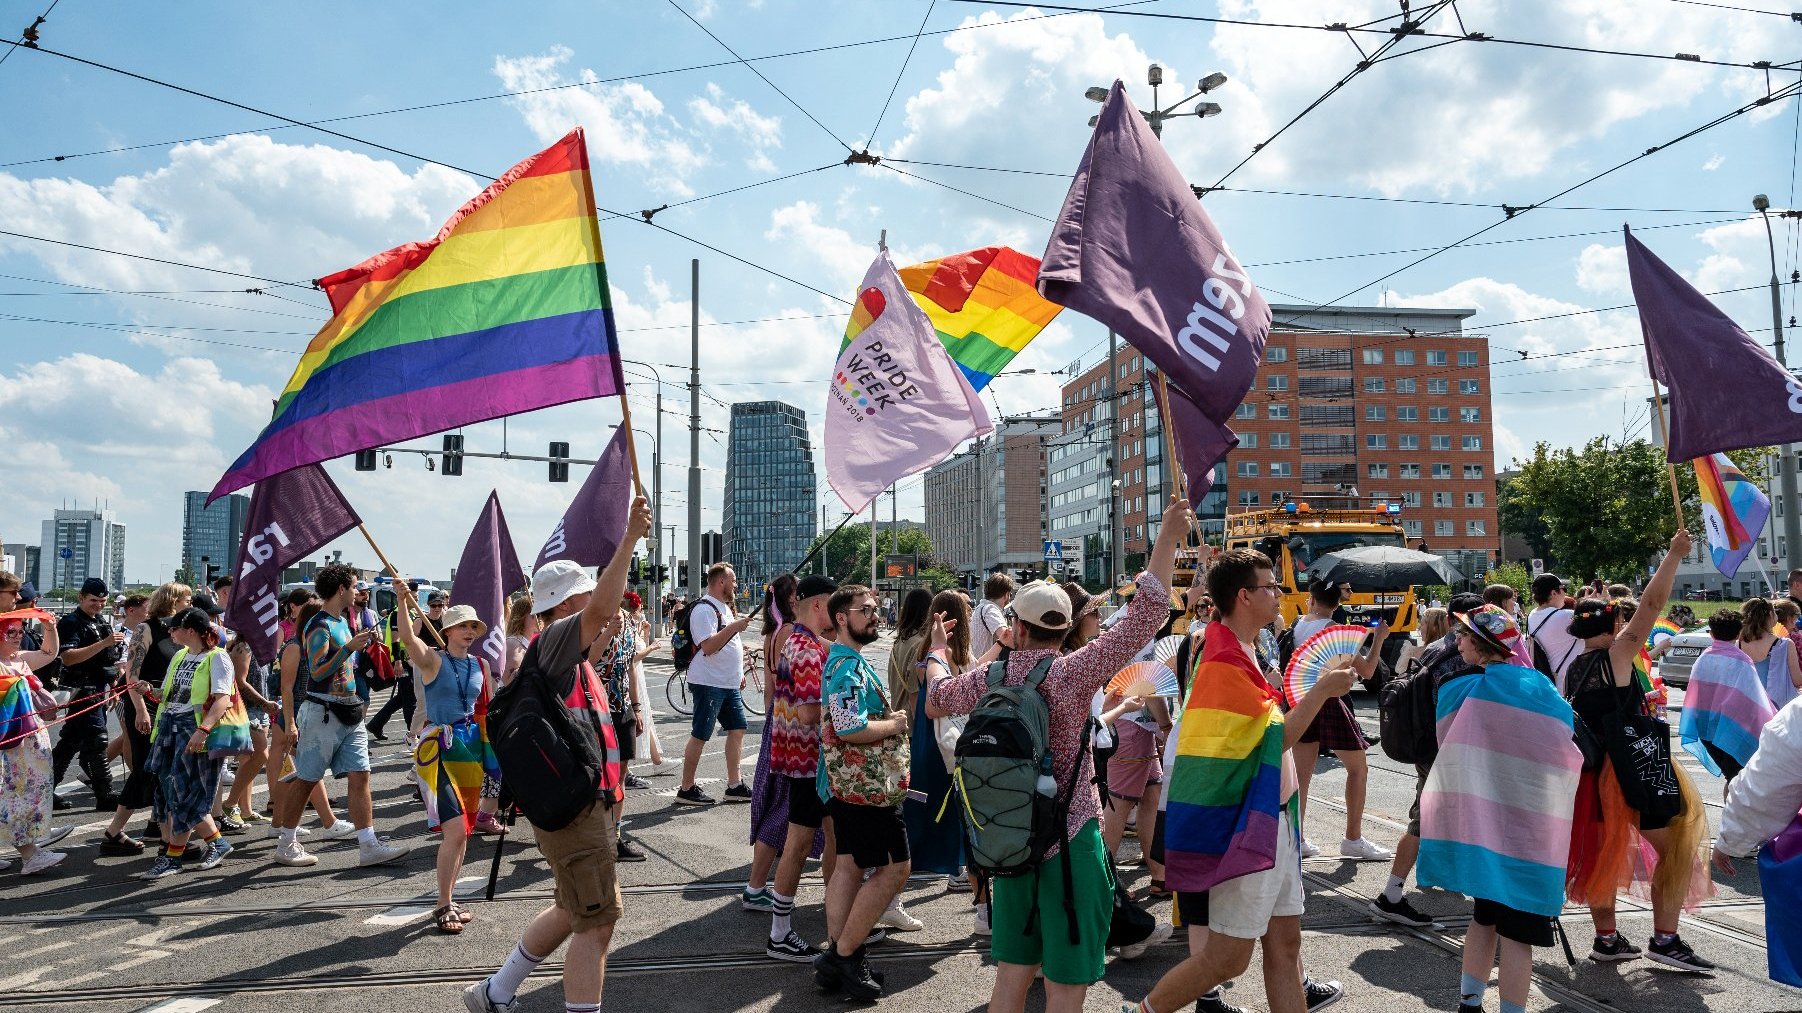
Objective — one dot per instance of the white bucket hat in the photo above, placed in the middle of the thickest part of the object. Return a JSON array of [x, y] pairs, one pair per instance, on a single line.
[[558, 581], [457, 615]]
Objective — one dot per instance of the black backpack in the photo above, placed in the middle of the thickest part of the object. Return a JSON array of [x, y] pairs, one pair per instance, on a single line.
[[682, 640], [1407, 710], [551, 759]]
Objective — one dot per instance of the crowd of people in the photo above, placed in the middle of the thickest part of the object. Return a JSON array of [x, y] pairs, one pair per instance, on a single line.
[[1529, 793]]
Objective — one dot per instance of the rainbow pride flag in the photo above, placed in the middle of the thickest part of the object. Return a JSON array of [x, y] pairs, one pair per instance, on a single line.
[[1662, 630], [1725, 705], [1495, 814], [1733, 510], [985, 305], [506, 310], [18, 715], [1225, 788]]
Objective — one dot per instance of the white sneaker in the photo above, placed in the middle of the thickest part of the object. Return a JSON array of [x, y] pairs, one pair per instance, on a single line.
[[228, 776], [41, 859], [475, 999], [300, 832], [381, 852], [52, 835], [1364, 850], [5, 864], [897, 918], [293, 854], [1159, 933], [982, 920], [1308, 848], [337, 831]]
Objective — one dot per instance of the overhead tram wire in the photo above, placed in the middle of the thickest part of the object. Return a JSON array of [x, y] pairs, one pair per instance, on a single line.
[[871, 139], [157, 260], [967, 193], [1787, 16], [760, 75], [41, 18]]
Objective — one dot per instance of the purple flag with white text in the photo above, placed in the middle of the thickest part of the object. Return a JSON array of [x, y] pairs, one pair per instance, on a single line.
[[487, 573], [1133, 248], [596, 519], [1201, 443], [1726, 391], [292, 515]]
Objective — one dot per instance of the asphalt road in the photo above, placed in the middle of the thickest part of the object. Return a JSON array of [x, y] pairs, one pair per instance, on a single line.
[[254, 936]]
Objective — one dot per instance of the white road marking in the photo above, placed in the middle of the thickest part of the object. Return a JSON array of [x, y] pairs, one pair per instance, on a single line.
[[185, 1004], [142, 958], [42, 949], [400, 915]]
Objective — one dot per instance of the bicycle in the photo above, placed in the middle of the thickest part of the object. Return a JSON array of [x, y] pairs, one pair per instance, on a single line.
[[682, 702]]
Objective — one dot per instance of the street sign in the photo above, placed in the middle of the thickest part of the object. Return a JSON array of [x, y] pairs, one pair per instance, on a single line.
[[1538, 567], [67, 553], [1054, 551]]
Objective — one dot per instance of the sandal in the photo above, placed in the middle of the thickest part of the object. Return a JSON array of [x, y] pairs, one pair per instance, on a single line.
[[463, 914], [447, 919], [1157, 890]]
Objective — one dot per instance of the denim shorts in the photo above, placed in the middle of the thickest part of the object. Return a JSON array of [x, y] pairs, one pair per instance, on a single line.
[[716, 704], [325, 744]]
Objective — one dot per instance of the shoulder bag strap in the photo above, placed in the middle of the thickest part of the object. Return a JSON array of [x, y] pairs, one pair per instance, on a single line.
[[997, 674], [1036, 677]]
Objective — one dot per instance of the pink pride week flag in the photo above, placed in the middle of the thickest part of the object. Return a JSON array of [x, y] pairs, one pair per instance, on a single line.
[[898, 403]]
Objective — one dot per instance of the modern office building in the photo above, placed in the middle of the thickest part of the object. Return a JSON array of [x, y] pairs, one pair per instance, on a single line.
[[25, 560], [985, 505], [78, 544], [770, 490], [1365, 404], [213, 533]]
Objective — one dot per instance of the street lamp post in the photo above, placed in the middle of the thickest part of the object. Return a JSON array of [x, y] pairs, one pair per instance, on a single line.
[[1792, 510], [1155, 117]]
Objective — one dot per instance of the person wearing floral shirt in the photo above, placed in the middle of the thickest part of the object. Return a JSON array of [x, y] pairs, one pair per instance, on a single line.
[[862, 778]]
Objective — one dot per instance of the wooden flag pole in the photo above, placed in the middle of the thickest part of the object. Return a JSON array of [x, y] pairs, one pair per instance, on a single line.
[[400, 586], [625, 420], [1173, 463], [1670, 469]]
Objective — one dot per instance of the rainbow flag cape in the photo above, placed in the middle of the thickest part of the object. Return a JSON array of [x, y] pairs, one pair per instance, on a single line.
[[1733, 511], [1226, 786], [505, 311], [985, 305], [1724, 704], [18, 715], [1495, 815]]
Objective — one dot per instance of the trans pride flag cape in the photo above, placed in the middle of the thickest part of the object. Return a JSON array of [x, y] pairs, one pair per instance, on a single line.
[[1733, 510], [1495, 817], [1226, 785], [1725, 703]]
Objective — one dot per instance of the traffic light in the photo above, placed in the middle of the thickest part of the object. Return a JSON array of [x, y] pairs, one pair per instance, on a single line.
[[365, 460], [637, 568], [662, 573], [559, 462], [453, 454]]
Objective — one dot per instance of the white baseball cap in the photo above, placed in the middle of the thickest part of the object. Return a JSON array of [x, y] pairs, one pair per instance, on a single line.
[[1044, 605], [557, 582]]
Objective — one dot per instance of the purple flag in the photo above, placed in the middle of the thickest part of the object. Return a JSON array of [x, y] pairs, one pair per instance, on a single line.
[[1726, 391], [1133, 248], [487, 573], [898, 403], [1201, 442], [596, 519], [292, 515]]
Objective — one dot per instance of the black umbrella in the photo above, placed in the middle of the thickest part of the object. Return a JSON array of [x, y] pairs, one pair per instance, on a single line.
[[1383, 568]]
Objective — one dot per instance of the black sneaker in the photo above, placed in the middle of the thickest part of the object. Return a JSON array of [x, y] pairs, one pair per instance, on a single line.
[[60, 803], [693, 796], [1400, 912], [1321, 994], [829, 968], [858, 982], [1469, 1007], [1612, 949], [1676, 954], [627, 853], [635, 781], [376, 734], [740, 792], [792, 948], [1215, 1002]]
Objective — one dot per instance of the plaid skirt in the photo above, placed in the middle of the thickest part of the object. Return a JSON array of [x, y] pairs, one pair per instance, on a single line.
[[188, 780], [1336, 730]]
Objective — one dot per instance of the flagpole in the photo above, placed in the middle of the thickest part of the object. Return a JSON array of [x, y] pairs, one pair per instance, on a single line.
[[400, 586], [1174, 464], [625, 407], [1670, 469]]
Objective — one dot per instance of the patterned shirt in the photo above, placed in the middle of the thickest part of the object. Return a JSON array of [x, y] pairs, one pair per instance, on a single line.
[[871, 773], [800, 667], [1069, 689]]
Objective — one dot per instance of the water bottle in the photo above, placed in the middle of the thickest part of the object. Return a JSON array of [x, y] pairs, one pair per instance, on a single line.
[[1047, 784]]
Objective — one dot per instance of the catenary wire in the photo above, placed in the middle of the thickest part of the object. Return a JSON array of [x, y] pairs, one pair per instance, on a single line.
[[871, 139], [41, 19], [748, 65]]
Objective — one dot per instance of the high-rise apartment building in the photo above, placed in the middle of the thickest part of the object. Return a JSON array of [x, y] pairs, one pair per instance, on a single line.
[[985, 505], [213, 533], [770, 490], [78, 544], [25, 561]]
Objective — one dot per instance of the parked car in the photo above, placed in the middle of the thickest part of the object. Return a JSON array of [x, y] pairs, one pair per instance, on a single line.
[[1701, 594], [1681, 655]]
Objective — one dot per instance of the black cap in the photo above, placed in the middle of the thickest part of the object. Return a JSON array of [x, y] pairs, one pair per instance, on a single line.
[[437, 598], [94, 586], [206, 604], [191, 618], [814, 584], [1544, 585], [1464, 603], [28, 593]]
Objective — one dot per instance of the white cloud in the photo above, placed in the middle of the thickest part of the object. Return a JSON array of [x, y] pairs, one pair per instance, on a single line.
[[1715, 161], [755, 131], [1603, 268], [625, 121]]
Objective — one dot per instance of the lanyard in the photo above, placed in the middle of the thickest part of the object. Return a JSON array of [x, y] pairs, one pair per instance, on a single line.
[[460, 675]]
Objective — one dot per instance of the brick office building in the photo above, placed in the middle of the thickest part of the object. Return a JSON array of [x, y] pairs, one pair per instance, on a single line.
[[1392, 402]]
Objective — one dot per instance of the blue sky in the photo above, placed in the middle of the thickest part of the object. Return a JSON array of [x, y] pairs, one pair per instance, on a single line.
[[134, 398]]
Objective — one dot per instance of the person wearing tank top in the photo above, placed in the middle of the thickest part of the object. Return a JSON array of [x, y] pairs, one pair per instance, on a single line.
[[1335, 728]]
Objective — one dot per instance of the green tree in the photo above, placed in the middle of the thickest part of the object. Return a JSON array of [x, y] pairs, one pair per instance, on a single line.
[[1520, 519], [1516, 576], [847, 554]]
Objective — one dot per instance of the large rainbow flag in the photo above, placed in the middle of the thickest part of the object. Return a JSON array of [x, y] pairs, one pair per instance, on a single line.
[[1495, 814], [1225, 788], [1733, 510], [506, 310], [985, 305]]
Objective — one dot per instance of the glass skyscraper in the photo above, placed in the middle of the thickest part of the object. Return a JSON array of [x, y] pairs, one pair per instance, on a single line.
[[213, 532], [770, 521]]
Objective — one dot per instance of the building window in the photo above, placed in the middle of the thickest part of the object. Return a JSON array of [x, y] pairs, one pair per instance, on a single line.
[[1405, 385], [1246, 411], [1276, 382], [1407, 413], [1410, 499], [1376, 471], [1468, 359], [1473, 471], [1438, 386], [1410, 471], [1248, 441], [1375, 413], [1473, 499], [1436, 359], [1470, 387], [1473, 443], [1411, 529], [1277, 411], [1473, 528], [1373, 385], [1276, 354], [1470, 415], [1376, 441], [1373, 356], [1439, 414], [1407, 442], [1442, 499], [1247, 498], [1405, 357], [1248, 469], [1282, 469], [1442, 471], [1279, 441], [1442, 529], [1441, 442]]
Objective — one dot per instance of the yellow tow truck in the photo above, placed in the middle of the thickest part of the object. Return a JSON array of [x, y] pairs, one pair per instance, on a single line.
[[1296, 534]]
